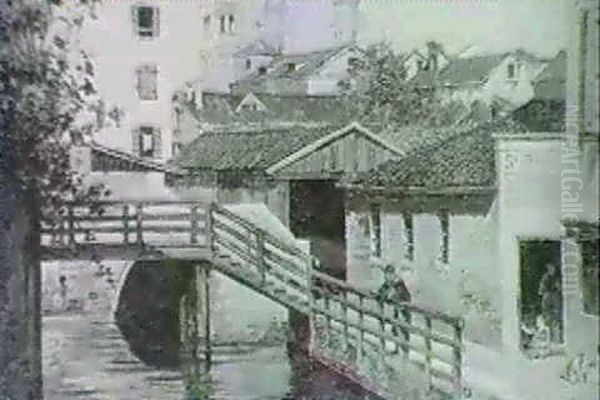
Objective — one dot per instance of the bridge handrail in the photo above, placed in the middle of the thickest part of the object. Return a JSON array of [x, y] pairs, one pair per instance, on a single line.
[[156, 202]]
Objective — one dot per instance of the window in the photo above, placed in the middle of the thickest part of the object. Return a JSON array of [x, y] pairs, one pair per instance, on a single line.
[[146, 21], [352, 62], [147, 141], [262, 70], [375, 229], [206, 23], [147, 82], [445, 233], [410, 235], [231, 21], [291, 67], [248, 64], [590, 276], [222, 24], [249, 107], [511, 72], [176, 148]]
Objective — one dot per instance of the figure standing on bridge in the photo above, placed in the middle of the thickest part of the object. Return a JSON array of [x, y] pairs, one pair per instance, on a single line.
[[395, 291]]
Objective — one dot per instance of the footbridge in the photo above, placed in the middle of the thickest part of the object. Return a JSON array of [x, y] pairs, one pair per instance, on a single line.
[[350, 329]]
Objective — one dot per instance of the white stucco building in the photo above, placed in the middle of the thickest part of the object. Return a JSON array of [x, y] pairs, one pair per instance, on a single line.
[[144, 50]]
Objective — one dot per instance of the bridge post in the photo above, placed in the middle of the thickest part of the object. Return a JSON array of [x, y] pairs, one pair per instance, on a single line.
[[457, 356], [194, 223], [126, 223], [209, 228], [260, 255], [361, 322], [71, 216], [139, 221], [428, 349], [194, 314]]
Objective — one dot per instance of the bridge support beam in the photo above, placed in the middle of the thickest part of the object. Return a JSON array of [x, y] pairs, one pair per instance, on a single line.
[[195, 329]]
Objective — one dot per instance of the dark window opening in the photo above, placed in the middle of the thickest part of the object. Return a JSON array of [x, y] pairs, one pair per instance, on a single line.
[[147, 144], [222, 24], [231, 23], [511, 71], [146, 21], [353, 62], [262, 70], [445, 231], [176, 148], [590, 276], [540, 297], [248, 64], [375, 233], [206, 22], [291, 67], [317, 214], [410, 235]]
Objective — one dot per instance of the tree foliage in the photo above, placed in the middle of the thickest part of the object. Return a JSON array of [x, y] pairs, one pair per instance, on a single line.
[[378, 91], [47, 96]]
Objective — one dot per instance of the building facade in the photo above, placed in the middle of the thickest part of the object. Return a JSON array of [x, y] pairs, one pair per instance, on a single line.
[[144, 50]]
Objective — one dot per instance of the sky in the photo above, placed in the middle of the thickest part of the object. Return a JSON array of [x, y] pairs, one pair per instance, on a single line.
[[490, 25]]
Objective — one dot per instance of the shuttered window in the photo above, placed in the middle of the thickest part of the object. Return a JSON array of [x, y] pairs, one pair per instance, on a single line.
[[147, 82], [147, 142], [146, 21]]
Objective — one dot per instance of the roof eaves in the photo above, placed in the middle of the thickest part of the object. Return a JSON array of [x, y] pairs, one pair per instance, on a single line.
[[152, 165]]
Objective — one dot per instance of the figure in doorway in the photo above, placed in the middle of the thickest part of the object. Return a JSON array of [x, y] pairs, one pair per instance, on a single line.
[[395, 291], [538, 338], [551, 302]]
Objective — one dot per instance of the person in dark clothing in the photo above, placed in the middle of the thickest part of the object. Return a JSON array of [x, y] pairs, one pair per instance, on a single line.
[[394, 290], [551, 303]]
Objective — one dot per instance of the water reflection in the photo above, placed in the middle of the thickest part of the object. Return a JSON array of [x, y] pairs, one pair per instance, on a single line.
[[86, 355]]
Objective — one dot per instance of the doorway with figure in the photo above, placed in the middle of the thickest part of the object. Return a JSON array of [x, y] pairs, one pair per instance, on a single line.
[[540, 297]]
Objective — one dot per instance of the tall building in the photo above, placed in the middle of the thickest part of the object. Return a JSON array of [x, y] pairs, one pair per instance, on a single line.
[[144, 51], [309, 25]]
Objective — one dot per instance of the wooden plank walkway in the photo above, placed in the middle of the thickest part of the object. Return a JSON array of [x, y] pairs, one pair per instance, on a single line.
[[256, 259]]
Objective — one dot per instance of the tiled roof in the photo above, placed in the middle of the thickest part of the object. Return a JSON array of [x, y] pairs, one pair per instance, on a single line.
[[463, 70], [220, 108], [472, 69], [247, 149], [120, 160], [464, 159], [305, 65]]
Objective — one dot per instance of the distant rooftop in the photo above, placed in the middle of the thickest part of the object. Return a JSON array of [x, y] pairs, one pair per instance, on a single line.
[[223, 108]]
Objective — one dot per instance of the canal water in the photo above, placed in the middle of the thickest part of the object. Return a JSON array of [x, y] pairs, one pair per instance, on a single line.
[[85, 355]]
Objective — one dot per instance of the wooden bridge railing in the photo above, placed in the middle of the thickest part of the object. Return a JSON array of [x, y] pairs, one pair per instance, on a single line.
[[126, 223], [429, 339]]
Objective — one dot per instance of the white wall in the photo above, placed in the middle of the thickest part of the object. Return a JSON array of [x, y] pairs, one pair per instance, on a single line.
[[325, 81], [183, 51], [532, 203]]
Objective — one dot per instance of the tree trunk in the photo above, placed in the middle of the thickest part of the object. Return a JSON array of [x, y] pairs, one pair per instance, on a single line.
[[20, 296]]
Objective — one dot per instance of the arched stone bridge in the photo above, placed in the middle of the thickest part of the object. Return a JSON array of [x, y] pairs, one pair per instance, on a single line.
[[347, 324]]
